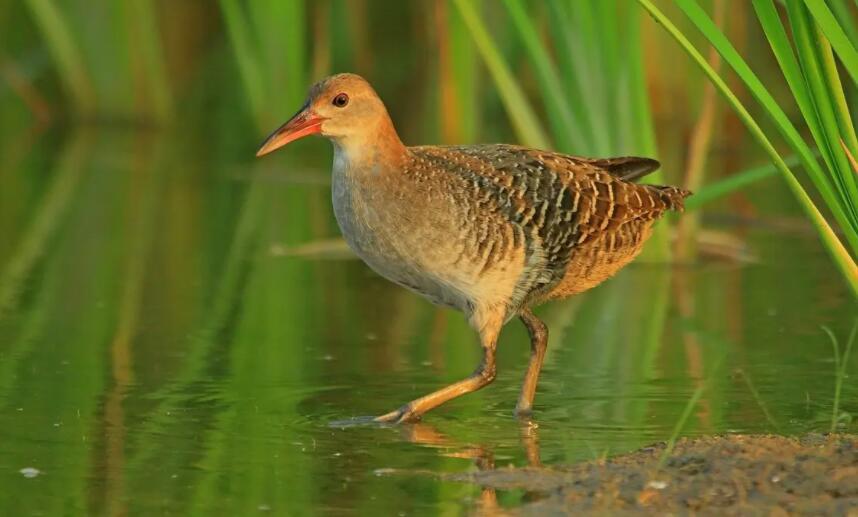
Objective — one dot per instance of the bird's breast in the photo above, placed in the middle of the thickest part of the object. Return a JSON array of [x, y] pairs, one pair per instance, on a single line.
[[388, 234]]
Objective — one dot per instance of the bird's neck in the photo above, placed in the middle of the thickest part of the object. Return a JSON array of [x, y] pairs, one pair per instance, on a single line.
[[375, 150]]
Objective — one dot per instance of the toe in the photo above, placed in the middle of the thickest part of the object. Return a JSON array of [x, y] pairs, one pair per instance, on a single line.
[[399, 416]]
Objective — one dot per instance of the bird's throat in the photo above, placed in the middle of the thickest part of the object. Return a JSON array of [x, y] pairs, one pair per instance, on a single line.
[[371, 154]]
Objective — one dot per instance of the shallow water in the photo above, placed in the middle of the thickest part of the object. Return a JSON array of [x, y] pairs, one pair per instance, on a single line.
[[164, 349]]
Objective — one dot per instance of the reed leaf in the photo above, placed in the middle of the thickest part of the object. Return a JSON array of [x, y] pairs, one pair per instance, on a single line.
[[464, 65], [809, 58], [281, 52], [457, 77], [46, 221], [575, 76], [835, 35], [851, 157], [801, 78], [842, 12], [642, 121], [521, 114], [734, 183], [249, 67], [772, 108], [566, 133], [837, 92], [65, 54], [840, 364], [838, 252], [143, 12]]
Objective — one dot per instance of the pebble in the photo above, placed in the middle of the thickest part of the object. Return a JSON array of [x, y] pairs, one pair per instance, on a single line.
[[30, 472]]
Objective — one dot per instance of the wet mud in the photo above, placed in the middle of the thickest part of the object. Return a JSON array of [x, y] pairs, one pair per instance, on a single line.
[[723, 475]]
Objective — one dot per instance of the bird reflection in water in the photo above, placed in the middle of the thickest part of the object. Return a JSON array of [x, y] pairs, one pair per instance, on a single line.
[[483, 456]]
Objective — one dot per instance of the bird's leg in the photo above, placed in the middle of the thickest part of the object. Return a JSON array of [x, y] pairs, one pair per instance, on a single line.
[[530, 441], [538, 344], [482, 376]]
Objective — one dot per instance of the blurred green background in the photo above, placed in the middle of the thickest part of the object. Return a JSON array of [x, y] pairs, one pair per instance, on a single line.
[[180, 323]]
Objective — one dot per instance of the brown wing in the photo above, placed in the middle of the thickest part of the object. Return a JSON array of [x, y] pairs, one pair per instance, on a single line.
[[560, 202]]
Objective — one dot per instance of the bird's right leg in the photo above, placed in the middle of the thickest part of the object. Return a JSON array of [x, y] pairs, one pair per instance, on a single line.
[[482, 376], [538, 344]]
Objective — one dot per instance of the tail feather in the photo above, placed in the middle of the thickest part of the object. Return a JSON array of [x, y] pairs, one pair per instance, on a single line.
[[627, 168], [672, 197]]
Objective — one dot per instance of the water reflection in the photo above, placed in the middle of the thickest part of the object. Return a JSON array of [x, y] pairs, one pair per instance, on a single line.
[[481, 455], [179, 328]]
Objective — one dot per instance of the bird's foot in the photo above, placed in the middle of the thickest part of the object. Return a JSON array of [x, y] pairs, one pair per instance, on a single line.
[[404, 414]]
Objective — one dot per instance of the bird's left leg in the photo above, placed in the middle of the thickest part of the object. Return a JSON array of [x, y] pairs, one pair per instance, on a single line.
[[482, 376]]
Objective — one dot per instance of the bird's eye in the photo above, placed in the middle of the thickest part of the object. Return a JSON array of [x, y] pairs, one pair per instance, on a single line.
[[340, 100]]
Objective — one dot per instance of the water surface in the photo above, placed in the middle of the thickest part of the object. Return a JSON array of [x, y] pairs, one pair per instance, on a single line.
[[178, 331]]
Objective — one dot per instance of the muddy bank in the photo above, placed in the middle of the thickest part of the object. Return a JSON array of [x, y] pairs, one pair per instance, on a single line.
[[728, 475]]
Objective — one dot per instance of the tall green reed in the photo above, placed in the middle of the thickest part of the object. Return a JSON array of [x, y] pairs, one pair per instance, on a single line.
[[142, 21], [458, 76], [268, 41], [811, 73], [123, 74], [45, 222], [588, 69], [841, 361], [66, 54], [522, 115]]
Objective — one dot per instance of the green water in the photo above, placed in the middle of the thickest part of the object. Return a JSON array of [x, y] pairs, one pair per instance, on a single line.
[[165, 351]]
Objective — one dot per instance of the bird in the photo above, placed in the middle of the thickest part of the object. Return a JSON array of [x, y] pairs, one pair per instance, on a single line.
[[491, 230]]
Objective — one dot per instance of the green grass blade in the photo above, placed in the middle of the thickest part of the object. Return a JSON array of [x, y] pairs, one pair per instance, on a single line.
[[809, 56], [837, 92], [463, 66], [609, 66], [840, 364], [45, 222], [589, 65], [851, 157], [458, 109], [65, 53], [841, 11], [799, 74], [733, 183], [641, 109], [702, 21], [836, 35], [564, 130], [840, 255], [756, 394], [680, 424], [524, 120], [573, 75], [246, 58], [847, 139], [776, 34], [801, 87], [143, 12], [281, 48]]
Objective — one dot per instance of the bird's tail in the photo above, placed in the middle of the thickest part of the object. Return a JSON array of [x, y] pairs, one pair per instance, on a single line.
[[672, 197]]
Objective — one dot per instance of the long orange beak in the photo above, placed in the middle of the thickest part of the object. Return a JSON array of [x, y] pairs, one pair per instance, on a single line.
[[304, 123]]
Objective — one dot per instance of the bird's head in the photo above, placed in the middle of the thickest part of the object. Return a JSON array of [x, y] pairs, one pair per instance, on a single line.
[[342, 107]]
